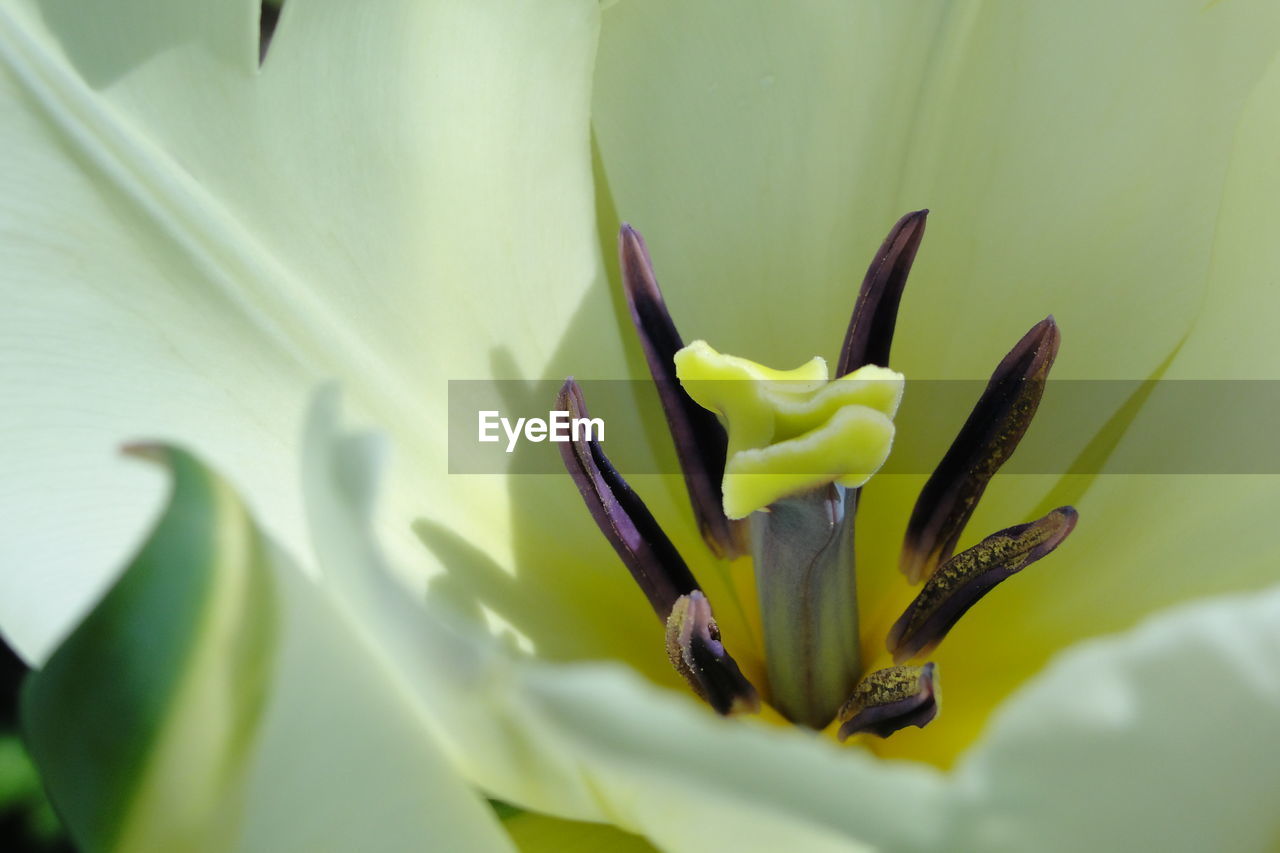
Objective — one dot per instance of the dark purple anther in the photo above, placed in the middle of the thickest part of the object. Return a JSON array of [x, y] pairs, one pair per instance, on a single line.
[[986, 441], [695, 650], [962, 581], [891, 699], [700, 441], [622, 517], [875, 313]]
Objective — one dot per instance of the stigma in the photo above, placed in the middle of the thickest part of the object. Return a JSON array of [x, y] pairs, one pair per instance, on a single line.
[[791, 431]]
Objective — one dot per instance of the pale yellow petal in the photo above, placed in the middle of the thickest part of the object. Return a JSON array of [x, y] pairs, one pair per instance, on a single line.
[[1159, 739], [191, 241]]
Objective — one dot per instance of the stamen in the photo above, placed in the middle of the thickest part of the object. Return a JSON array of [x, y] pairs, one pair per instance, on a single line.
[[891, 699], [693, 639], [693, 644], [622, 517], [268, 17], [875, 313], [986, 441], [700, 440], [963, 580]]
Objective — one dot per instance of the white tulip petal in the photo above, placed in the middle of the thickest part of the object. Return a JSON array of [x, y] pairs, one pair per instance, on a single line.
[[112, 333], [1164, 738], [191, 241], [343, 761], [1073, 155], [1234, 337], [1145, 543]]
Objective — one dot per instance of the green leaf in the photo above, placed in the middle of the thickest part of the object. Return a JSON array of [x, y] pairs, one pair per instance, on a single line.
[[143, 720], [24, 807]]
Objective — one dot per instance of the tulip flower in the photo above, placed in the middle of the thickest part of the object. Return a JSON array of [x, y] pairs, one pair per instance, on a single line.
[[254, 252]]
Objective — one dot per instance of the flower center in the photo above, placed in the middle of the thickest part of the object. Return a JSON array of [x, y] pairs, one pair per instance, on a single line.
[[799, 447], [774, 461]]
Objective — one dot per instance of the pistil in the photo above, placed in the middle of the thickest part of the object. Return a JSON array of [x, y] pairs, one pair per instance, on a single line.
[[799, 449], [807, 587]]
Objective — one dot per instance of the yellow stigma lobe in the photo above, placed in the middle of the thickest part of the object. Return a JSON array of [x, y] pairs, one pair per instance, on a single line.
[[792, 430]]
